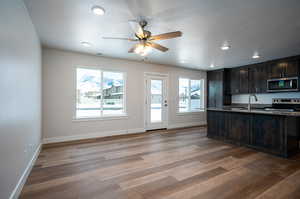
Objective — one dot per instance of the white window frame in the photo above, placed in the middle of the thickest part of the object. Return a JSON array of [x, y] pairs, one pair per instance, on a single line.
[[202, 109], [101, 117]]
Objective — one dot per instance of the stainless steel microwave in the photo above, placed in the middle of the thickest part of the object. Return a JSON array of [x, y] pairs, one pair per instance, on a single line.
[[283, 84]]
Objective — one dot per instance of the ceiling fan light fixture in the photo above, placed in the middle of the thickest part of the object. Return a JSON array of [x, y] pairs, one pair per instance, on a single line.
[[142, 49], [139, 49], [146, 51], [98, 10]]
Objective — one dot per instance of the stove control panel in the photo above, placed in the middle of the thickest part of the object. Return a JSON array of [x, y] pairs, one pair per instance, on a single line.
[[286, 100]]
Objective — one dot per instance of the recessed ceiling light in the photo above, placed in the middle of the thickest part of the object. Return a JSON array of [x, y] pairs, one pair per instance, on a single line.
[[86, 44], [256, 55], [225, 47], [212, 65], [183, 61], [98, 10]]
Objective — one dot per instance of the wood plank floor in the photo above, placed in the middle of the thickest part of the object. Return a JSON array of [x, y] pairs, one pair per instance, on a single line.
[[179, 164]]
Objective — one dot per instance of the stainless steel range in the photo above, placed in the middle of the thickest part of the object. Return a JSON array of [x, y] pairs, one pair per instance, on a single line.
[[285, 104]]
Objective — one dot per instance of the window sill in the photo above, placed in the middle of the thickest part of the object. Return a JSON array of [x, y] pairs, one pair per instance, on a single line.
[[103, 118], [190, 112]]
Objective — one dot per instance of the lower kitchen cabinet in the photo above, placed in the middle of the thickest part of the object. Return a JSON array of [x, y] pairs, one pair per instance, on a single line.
[[238, 131], [268, 133], [278, 135], [218, 124]]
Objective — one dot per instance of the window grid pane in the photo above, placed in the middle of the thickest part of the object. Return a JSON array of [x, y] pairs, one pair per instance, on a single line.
[[195, 95], [183, 95], [88, 93], [190, 95], [99, 93], [113, 93]]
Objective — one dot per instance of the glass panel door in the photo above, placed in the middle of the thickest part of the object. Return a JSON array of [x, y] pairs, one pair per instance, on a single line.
[[156, 102]]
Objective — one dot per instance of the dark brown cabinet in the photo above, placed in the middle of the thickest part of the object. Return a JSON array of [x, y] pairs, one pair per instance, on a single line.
[[219, 124], [283, 68], [235, 81], [217, 89], [268, 133], [239, 80], [273, 134], [215, 125], [292, 69], [253, 78], [258, 77], [239, 129], [244, 80]]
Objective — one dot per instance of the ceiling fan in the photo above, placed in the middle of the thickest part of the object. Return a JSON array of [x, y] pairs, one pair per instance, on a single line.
[[145, 39]]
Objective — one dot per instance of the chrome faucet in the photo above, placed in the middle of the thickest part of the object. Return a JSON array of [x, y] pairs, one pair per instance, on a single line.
[[249, 102]]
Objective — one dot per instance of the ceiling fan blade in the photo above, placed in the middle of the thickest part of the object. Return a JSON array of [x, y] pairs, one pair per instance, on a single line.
[[120, 38], [137, 28], [157, 46], [169, 35]]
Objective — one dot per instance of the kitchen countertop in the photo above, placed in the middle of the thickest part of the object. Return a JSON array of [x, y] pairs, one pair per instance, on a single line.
[[255, 111]]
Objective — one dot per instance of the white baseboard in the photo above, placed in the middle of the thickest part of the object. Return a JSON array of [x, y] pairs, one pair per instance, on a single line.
[[113, 133], [187, 124], [17, 190], [91, 135]]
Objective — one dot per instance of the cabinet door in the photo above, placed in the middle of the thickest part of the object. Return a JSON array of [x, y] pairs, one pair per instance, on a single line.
[[244, 80], [292, 69], [258, 79], [276, 69], [253, 78], [235, 81], [211, 91], [219, 92], [267, 133], [215, 124], [211, 124], [239, 131], [261, 86]]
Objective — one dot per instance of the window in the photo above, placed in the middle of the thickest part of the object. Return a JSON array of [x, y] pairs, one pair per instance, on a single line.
[[99, 93], [191, 95]]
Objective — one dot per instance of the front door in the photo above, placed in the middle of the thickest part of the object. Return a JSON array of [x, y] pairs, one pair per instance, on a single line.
[[156, 103]]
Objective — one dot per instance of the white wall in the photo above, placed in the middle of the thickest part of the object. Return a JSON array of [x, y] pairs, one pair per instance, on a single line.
[[59, 94], [264, 98], [20, 94]]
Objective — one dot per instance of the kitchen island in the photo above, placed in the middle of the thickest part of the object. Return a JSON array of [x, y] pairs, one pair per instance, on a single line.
[[274, 132]]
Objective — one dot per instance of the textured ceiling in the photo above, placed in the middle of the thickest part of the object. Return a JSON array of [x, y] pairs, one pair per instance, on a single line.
[[271, 27]]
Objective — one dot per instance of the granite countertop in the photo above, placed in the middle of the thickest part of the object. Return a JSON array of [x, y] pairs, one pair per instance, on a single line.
[[255, 111]]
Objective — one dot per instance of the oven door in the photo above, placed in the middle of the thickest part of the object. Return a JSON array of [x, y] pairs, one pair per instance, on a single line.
[[283, 84]]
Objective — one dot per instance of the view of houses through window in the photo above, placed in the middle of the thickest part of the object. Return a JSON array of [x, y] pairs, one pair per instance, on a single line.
[[191, 95], [99, 93]]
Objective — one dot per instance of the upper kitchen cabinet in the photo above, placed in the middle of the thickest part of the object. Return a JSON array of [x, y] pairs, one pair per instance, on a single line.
[[244, 80], [239, 80], [250, 79], [235, 81], [218, 88], [258, 75], [283, 68]]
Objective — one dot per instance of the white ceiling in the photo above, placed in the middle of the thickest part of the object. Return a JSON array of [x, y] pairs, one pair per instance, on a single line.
[[271, 27]]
